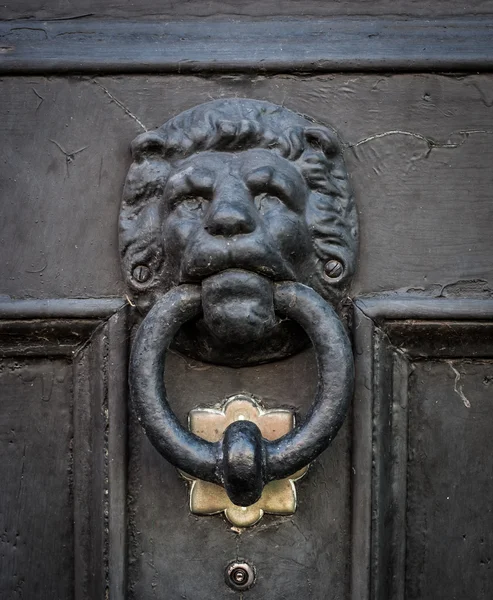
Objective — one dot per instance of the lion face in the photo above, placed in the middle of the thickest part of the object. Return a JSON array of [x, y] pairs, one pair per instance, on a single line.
[[236, 211], [233, 223]]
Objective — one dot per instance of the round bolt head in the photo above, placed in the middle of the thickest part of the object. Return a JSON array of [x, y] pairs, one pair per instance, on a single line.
[[141, 273], [333, 269], [240, 576]]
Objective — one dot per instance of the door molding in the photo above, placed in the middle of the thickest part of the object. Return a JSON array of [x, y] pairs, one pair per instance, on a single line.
[[86, 45], [92, 334], [390, 333]]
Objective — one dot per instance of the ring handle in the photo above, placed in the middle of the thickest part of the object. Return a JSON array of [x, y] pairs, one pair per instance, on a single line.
[[243, 462]]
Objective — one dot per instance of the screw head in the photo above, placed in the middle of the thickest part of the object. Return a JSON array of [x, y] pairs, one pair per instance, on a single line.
[[141, 273], [333, 269], [240, 576]]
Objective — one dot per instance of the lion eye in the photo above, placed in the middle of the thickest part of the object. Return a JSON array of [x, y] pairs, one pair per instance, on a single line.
[[266, 202]]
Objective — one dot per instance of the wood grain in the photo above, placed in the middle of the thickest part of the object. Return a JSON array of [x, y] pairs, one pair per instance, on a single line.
[[286, 46], [236, 9], [36, 470]]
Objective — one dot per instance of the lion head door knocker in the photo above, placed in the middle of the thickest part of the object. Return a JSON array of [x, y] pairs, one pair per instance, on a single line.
[[238, 237]]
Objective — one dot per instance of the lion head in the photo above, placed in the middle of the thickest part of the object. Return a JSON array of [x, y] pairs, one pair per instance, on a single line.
[[234, 195]]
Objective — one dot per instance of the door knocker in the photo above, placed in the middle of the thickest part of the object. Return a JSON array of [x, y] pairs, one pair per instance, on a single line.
[[238, 237]]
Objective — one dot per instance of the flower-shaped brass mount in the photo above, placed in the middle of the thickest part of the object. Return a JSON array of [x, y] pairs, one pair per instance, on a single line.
[[278, 497]]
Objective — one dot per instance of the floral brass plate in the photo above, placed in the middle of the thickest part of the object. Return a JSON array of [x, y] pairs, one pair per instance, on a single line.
[[278, 497]]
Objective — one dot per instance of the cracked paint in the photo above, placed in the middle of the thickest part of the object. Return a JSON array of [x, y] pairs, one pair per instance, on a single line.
[[458, 386], [121, 105]]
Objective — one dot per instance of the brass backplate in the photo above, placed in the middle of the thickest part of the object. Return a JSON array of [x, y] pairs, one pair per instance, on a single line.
[[278, 497]]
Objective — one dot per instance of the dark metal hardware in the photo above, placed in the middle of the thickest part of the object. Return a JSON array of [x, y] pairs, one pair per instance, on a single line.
[[333, 269], [244, 461], [244, 185], [240, 576], [141, 273], [242, 212]]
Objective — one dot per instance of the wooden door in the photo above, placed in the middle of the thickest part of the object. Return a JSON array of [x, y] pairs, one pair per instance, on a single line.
[[400, 505]]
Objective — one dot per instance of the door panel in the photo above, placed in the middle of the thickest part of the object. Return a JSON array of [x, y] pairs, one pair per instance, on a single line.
[[37, 554], [63, 380], [289, 553], [418, 155], [424, 422], [399, 507], [449, 480]]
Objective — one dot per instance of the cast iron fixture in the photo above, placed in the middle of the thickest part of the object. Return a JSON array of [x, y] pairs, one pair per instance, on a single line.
[[238, 238]]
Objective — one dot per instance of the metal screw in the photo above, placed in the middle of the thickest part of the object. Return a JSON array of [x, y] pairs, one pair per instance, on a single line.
[[240, 576], [141, 273], [333, 269]]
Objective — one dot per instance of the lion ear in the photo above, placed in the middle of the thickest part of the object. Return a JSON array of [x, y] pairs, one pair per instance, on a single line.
[[147, 144], [321, 138]]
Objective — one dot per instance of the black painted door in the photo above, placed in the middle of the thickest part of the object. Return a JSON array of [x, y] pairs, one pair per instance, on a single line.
[[400, 505]]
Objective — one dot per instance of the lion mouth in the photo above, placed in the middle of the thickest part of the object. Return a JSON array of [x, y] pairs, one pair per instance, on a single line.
[[277, 272], [202, 260], [238, 306]]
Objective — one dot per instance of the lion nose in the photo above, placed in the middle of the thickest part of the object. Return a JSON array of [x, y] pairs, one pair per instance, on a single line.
[[229, 218]]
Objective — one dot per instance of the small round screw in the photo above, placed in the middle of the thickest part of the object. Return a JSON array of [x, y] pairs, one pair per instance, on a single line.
[[141, 273], [240, 576], [333, 269]]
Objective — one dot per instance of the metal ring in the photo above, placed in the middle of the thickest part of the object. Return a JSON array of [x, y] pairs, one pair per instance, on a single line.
[[243, 461]]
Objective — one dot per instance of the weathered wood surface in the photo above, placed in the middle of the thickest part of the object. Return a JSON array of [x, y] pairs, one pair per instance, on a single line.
[[450, 481], [418, 149], [346, 44], [422, 417], [236, 9], [36, 471], [62, 412]]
